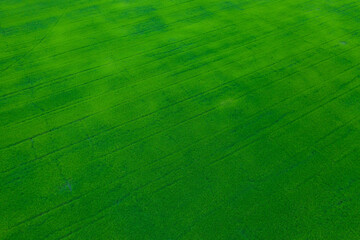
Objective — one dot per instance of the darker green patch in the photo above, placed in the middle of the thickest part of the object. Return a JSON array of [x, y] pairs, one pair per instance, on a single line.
[[231, 5], [151, 25], [28, 27]]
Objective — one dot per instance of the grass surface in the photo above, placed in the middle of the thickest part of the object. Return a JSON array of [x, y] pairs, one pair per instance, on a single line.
[[181, 119]]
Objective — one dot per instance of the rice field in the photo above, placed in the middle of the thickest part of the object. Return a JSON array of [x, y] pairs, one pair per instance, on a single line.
[[180, 119]]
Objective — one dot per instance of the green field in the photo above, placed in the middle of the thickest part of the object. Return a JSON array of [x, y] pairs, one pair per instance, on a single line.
[[180, 119]]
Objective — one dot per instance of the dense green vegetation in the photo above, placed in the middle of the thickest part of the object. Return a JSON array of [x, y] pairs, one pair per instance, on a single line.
[[180, 119]]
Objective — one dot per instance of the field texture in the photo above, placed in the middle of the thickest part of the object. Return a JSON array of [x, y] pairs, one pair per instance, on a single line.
[[180, 119]]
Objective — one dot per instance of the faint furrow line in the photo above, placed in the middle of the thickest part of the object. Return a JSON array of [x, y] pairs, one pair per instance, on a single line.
[[66, 76], [325, 103], [49, 210], [35, 45], [344, 125]]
